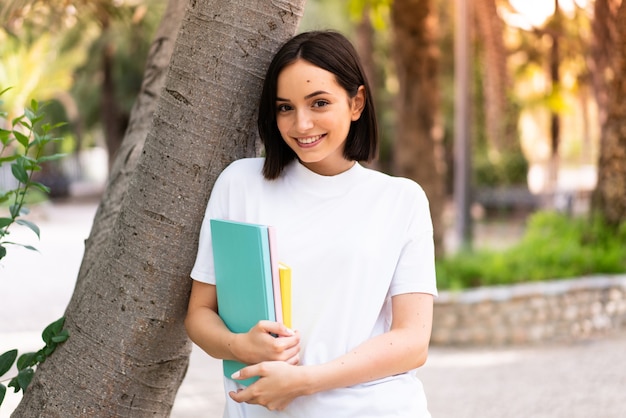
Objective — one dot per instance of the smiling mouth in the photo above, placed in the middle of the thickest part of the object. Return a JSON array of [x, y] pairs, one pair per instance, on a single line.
[[310, 140]]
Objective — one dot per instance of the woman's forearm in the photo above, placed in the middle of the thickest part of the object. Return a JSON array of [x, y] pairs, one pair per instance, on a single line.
[[207, 330], [403, 348], [388, 354]]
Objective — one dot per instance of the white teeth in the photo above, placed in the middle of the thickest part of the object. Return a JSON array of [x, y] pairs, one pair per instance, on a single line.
[[309, 140]]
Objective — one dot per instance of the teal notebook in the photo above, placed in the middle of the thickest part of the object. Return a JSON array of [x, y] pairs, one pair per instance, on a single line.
[[243, 274]]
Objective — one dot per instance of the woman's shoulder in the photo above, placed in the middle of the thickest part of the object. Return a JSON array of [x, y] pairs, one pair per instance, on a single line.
[[242, 169], [240, 174], [245, 165], [384, 182]]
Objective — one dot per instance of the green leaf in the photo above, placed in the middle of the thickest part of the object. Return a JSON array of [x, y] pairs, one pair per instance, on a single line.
[[3, 391], [21, 138], [40, 186], [4, 136], [17, 120], [6, 361], [34, 104], [15, 210], [24, 210], [19, 172], [61, 337], [24, 377], [26, 360], [29, 225], [49, 349], [5, 196], [5, 222], [9, 158], [3, 252], [52, 330], [50, 157], [13, 383], [30, 114], [58, 125]]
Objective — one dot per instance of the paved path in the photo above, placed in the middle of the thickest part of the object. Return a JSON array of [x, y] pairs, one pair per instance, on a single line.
[[585, 379]]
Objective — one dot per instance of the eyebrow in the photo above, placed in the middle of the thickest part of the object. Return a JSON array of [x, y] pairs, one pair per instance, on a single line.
[[308, 96]]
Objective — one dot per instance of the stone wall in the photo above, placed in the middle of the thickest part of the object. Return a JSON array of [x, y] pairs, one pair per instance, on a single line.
[[531, 312]]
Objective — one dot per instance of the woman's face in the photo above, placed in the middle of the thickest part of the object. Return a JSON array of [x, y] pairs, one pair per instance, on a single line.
[[314, 114]]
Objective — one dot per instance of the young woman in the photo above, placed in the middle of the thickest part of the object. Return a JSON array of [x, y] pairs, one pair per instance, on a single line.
[[359, 243]]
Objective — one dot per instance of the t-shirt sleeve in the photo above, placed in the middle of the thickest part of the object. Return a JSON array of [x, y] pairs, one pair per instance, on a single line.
[[415, 271]]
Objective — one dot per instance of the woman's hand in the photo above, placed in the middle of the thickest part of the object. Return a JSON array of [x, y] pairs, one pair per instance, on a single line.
[[258, 344], [278, 385], [208, 331], [404, 347]]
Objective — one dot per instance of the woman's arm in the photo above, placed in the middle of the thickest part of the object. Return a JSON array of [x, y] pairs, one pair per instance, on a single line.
[[403, 348], [208, 331]]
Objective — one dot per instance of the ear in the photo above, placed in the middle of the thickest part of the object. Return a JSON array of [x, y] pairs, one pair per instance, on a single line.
[[358, 103]]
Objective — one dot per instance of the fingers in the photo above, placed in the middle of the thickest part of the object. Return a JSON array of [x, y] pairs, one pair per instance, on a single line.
[[283, 348], [273, 390], [251, 394], [291, 355], [276, 328], [240, 396], [294, 361], [248, 372]]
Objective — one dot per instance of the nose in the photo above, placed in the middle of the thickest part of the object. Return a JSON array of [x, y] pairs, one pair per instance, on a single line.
[[304, 122]]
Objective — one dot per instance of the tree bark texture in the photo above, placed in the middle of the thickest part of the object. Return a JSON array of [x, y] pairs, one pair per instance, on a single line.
[[418, 152], [500, 120], [125, 162], [128, 351], [603, 42], [610, 193]]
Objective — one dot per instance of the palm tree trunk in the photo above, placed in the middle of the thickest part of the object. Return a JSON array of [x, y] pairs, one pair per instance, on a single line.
[[500, 120], [610, 194], [417, 149]]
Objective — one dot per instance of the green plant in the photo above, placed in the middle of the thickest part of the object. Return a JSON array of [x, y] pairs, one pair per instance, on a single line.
[[554, 246], [25, 142], [53, 335]]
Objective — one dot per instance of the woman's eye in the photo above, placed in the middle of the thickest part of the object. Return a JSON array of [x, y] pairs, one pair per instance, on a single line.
[[283, 107], [320, 103]]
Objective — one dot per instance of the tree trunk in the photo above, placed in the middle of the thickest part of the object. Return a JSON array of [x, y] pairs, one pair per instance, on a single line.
[[128, 350], [364, 43], [417, 149], [111, 116], [555, 117], [140, 122], [610, 194], [500, 120], [603, 42]]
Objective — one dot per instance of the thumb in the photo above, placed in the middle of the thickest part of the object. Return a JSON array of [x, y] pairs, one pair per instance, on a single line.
[[244, 373], [277, 329]]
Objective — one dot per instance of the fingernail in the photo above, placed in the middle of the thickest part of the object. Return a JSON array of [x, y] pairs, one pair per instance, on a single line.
[[290, 331], [235, 375]]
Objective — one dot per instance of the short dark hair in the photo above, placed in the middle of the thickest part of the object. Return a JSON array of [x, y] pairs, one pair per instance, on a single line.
[[332, 52]]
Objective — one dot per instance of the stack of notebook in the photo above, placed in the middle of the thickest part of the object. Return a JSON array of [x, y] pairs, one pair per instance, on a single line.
[[251, 283]]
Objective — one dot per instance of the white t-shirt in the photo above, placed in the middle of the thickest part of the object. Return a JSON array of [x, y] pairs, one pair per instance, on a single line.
[[353, 241]]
